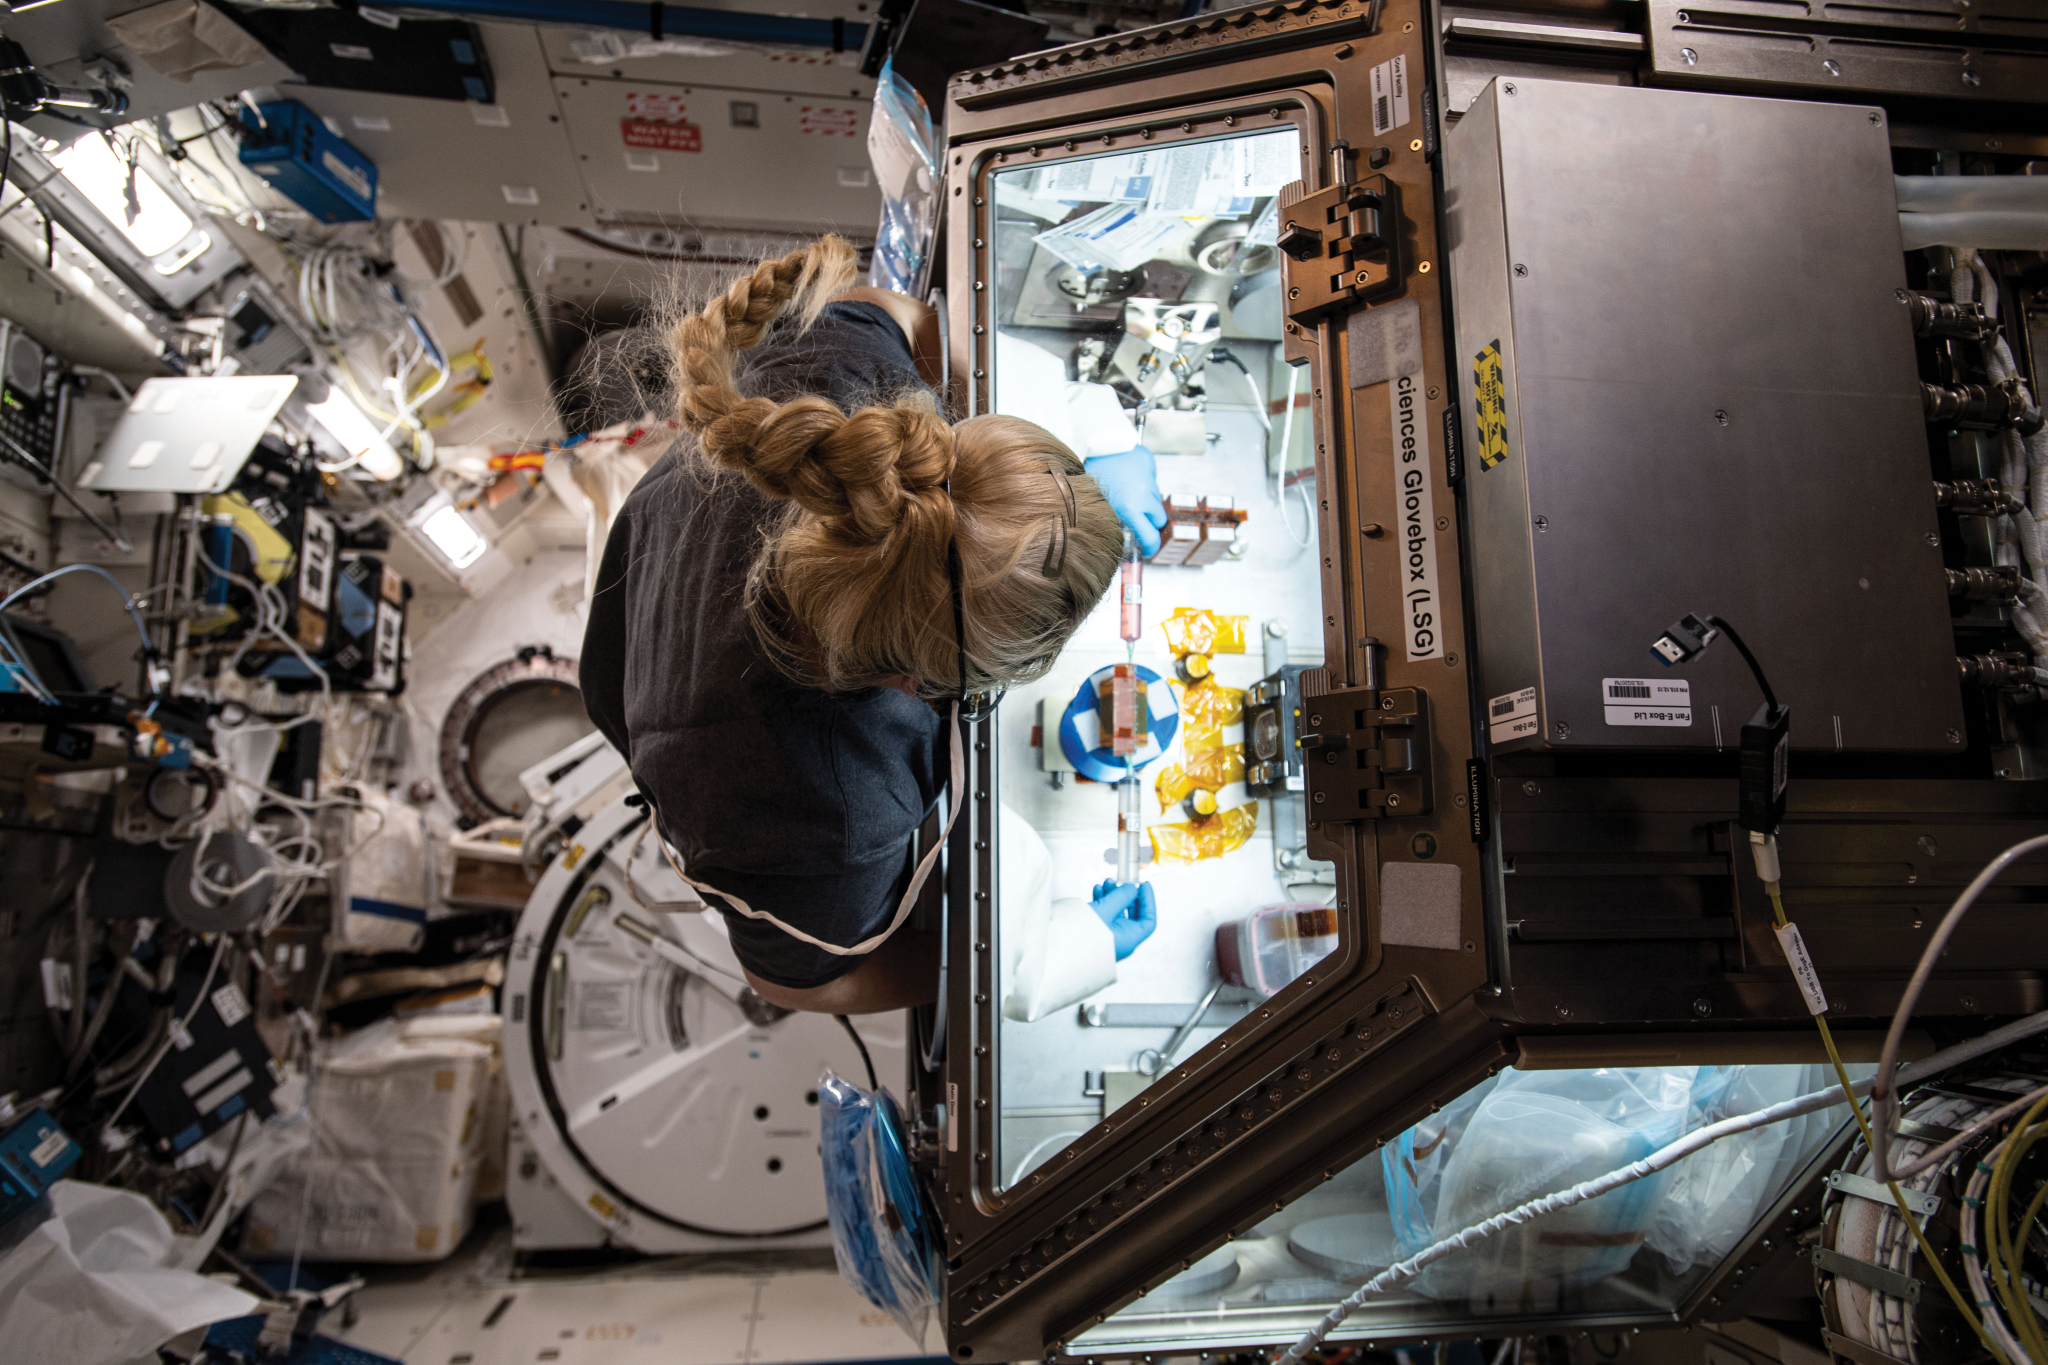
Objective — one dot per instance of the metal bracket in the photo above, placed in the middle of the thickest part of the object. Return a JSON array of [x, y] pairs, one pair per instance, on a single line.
[[1366, 754], [1864, 1273], [1341, 246], [1863, 1187]]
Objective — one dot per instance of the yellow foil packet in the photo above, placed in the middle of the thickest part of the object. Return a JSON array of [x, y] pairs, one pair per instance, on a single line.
[[1214, 768], [1204, 711], [1192, 840], [1197, 630]]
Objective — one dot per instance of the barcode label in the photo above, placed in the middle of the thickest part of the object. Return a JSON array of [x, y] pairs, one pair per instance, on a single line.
[[1512, 716], [1389, 95], [1646, 701]]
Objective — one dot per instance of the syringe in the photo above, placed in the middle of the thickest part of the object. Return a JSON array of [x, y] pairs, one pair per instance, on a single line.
[[1129, 795], [1130, 820]]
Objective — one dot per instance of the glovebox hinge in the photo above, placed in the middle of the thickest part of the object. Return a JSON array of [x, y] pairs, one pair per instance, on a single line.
[[1340, 246], [1365, 754]]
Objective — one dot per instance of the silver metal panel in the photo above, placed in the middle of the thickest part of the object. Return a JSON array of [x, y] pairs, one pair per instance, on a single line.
[[186, 435], [1498, 565], [508, 162], [1714, 408], [680, 155]]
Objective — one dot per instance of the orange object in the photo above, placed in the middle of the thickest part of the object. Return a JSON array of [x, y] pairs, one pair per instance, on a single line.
[[1194, 840]]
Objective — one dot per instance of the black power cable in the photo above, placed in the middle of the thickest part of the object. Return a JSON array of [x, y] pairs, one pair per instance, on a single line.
[[865, 1060]]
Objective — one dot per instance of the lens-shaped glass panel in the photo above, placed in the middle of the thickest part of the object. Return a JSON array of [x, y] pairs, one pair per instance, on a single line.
[[1142, 849]]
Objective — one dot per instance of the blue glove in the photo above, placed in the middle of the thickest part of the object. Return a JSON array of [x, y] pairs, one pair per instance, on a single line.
[[1131, 483], [1130, 910]]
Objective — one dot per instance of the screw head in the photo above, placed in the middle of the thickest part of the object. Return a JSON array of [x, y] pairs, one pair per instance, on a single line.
[[1563, 1011], [1542, 523], [1933, 538], [1362, 277], [1899, 294], [1955, 736], [1721, 416], [1703, 1007], [1686, 54], [1972, 78], [1561, 730], [1876, 117], [1393, 800], [1319, 798], [1969, 1002], [1294, 293], [1521, 269], [1531, 789], [1507, 87], [1832, 67]]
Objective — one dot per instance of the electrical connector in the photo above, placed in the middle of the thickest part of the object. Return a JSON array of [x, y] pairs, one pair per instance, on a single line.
[[1683, 639]]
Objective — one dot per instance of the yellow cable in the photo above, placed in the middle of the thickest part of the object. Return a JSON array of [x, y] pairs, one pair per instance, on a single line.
[[1827, 1039], [2000, 1253]]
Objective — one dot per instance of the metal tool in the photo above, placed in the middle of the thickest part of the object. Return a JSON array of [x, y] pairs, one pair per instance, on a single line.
[[1152, 1061]]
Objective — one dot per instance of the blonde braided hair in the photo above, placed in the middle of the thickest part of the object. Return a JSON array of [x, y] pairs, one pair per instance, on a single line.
[[851, 587]]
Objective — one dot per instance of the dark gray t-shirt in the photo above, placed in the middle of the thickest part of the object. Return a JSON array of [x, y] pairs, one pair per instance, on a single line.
[[797, 801]]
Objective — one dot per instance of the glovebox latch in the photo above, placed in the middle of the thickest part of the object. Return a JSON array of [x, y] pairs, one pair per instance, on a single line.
[[1366, 754], [1341, 246]]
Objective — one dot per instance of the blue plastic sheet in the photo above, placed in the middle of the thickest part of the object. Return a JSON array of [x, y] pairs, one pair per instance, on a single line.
[[884, 1235], [903, 147]]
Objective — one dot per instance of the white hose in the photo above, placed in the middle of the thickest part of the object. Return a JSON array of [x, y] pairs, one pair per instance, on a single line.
[[1989, 229], [1968, 193]]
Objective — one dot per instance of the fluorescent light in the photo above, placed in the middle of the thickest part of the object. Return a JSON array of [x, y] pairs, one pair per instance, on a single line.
[[361, 437], [454, 536], [102, 177]]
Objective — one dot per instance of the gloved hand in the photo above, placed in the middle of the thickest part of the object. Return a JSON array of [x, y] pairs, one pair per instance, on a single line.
[[1131, 483], [1131, 912]]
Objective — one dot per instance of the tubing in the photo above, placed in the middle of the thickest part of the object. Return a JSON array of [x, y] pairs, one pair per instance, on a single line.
[[1993, 229], [1967, 193]]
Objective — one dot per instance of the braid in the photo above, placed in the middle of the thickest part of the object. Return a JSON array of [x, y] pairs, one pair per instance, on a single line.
[[850, 584]]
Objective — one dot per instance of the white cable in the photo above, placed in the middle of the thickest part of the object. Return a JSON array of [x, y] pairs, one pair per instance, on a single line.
[[1886, 1095], [1279, 494]]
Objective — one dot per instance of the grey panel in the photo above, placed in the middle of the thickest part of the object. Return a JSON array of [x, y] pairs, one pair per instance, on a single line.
[[673, 154], [1715, 408], [508, 162]]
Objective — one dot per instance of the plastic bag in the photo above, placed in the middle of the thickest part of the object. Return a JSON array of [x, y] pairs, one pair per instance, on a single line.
[[1197, 630], [904, 149], [1214, 768], [883, 1236], [1413, 1167], [1537, 1132], [1193, 840], [1715, 1195]]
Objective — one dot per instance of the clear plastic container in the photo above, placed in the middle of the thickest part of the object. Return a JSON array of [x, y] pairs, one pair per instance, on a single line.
[[1270, 947]]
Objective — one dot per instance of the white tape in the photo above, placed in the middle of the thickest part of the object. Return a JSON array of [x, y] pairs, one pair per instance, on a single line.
[[1802, 968]]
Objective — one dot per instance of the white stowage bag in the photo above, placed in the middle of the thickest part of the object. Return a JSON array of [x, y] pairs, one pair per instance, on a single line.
[[1056, 953], [399, 1117], [1541, 1131], [1715, 1195], [95, 1283]]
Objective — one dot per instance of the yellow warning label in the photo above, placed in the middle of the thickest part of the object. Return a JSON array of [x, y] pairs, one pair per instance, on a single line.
[[1489, 396]]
